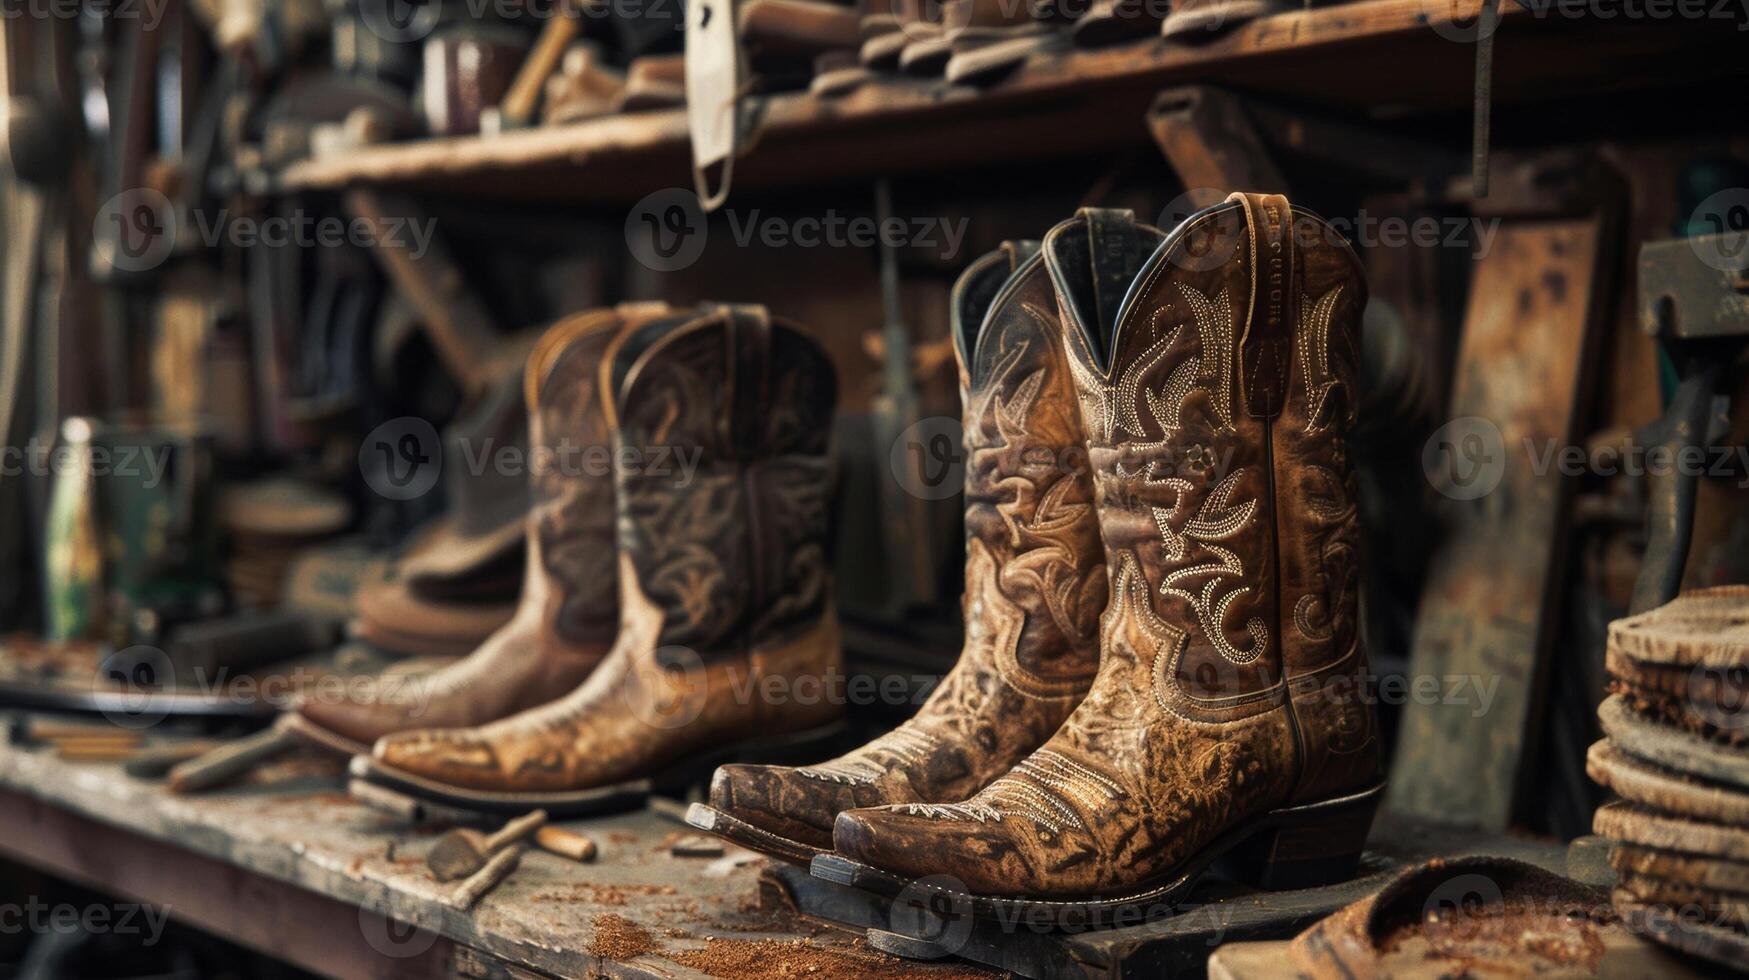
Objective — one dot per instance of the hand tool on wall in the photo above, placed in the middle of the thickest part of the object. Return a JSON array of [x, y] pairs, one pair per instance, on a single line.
[[1698, 310], [463, 851], [560, 30]]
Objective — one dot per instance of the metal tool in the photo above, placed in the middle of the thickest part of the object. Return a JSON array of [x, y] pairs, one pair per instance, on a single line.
[[231, 760], [463, 852], [1699, 312], [477, 885]]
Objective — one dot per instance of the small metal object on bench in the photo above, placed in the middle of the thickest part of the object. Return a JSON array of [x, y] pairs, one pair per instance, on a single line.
[[408, 808], [155, 762], [231, 760], [463, 852], [477, 885]]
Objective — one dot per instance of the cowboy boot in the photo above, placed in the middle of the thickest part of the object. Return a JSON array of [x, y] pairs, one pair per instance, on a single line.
[[1034, 587], [727, 638], [569, 610], [1215, 372]]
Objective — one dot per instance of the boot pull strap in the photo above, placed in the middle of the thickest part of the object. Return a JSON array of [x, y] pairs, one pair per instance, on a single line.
[[749, 340], [1113, 254], [1266, 345], [1018, 252]]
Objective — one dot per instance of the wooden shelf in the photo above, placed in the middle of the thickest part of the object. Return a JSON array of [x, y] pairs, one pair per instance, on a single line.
[[1385, 57]]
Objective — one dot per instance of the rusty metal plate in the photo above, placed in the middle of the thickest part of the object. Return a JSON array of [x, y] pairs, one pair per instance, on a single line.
[[1695, 287], [1700, 628], [1662, 924]]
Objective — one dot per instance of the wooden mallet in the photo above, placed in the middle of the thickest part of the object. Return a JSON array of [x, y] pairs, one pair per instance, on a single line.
[[462, 851]]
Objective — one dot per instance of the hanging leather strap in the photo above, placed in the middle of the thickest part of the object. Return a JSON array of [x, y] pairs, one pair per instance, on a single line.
[[1266, 344]]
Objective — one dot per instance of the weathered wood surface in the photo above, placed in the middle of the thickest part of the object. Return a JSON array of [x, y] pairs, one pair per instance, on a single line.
[[350, 865], [1481, 647], [1387, 54]]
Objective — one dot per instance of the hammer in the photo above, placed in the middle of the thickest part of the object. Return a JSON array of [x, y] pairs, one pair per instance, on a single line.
[[462, 852]]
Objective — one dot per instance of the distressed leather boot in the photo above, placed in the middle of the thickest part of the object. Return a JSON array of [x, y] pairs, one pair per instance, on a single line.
[[1216, 373], [1035, 585], [727, 638], [569, 610]]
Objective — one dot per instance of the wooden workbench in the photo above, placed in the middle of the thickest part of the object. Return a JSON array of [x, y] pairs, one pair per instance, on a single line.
[[294, 868]]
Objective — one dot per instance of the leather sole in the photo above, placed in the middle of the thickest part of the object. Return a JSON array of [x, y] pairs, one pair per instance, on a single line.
[[1290, 848], [313, 734], [618, 797], [739, 832]]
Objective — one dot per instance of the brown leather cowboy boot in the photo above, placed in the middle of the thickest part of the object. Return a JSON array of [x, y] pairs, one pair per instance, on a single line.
[[727, 636], [569, 609], [1034, 587], [1216, 380]]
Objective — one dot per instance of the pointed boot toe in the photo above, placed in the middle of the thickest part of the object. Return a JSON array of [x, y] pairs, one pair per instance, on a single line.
[[780, 801], [451, 758]]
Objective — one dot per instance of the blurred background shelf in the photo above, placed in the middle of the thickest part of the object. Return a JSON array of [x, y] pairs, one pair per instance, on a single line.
[[1383, 59]]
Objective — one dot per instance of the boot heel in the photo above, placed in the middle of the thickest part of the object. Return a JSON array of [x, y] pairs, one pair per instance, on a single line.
[[1308, 846]]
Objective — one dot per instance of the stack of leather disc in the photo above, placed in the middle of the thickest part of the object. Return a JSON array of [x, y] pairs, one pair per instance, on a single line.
[[1677, 753], [270, 523]]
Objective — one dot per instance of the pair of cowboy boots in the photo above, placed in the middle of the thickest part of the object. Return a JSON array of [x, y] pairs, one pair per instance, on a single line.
[[1212, 372], [677, 573]]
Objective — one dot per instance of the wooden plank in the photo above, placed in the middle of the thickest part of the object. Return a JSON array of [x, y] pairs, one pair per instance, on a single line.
[[295, 868], [1491, 601], [1373, 55]]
